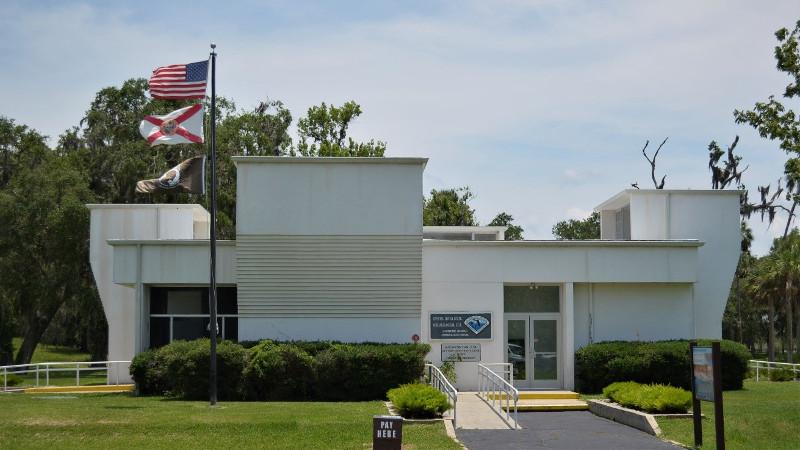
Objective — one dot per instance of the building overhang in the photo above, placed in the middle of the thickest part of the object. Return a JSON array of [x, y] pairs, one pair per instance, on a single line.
[[591, 261], [171, 262]]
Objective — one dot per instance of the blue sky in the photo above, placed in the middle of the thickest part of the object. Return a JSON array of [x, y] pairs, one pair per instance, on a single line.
[[541, 107]]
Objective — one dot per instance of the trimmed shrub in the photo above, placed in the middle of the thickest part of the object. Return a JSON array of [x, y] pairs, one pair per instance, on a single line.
[[652, 398], [661, 362], [149, 373], [278, 372], [181, 369], [418, 401], [367, 371]]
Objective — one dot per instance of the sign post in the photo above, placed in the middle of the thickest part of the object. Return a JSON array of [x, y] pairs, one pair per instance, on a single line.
[[707, 386], [387, 432]]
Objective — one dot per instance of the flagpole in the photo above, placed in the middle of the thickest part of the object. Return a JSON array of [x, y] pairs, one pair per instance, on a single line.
[[212, 289]]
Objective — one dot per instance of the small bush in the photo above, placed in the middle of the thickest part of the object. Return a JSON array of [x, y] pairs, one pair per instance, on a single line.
[[781, 375], [418, 401], [148, 374], [661, 362], [278, 372], [652, 398], [13, 380]]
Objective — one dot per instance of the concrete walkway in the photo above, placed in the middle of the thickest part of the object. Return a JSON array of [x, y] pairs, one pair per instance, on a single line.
[[475, 414], [568, 430]]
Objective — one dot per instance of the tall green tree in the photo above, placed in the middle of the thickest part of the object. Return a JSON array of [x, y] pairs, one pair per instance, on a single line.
[[323, 132], [577, 229], [43, 243], [449, 207], [774, 121], [513, 232]]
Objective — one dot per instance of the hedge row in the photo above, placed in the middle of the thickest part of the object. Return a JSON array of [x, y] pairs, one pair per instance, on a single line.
[[652, 398], [279, 371], [661, 362]]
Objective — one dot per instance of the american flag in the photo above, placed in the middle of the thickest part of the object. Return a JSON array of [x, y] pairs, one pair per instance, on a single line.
[[179, 81]]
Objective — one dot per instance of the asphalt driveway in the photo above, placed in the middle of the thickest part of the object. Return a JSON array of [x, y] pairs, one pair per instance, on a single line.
[[568, 430]]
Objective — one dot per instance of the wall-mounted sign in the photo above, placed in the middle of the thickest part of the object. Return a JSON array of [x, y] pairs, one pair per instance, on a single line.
[[461, 352], [387, 432], [461, 325]]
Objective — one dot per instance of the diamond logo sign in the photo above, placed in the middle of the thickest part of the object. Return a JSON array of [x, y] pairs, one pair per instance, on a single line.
[[476, 324], [461, 325]]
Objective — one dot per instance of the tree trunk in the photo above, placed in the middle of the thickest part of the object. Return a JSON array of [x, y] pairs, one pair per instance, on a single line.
[[789, 338], [771, 339], [36, 326]]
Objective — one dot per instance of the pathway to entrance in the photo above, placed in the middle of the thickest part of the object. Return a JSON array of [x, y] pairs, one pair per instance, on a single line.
[[475, 414], [568, 430]]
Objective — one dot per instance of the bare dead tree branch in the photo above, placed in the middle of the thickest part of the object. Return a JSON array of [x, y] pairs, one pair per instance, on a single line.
[[653, 163]]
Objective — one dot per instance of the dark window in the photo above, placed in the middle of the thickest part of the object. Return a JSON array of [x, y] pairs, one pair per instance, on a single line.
[[186, 308]]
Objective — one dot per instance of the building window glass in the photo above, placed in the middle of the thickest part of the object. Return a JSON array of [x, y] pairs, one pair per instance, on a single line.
[[182, 313], [531, 298]]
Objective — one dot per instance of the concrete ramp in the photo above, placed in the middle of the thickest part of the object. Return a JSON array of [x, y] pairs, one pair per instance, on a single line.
[[474, 413]]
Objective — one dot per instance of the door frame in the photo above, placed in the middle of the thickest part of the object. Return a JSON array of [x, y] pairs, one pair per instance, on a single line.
[[529, 382]]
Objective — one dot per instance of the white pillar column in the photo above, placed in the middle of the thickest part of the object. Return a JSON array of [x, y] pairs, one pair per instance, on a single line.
[[568, 337]]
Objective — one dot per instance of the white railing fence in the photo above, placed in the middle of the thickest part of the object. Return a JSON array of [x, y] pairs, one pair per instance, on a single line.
[[761, 366], [17, 376], [437, 379], [496, 389]]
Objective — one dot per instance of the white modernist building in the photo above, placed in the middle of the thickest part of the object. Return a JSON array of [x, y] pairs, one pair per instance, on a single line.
[[335, 249]]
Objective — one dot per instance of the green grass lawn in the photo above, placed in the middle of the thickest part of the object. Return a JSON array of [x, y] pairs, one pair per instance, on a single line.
[[764, 415], [52, 353], [124, 421], [57, 353]]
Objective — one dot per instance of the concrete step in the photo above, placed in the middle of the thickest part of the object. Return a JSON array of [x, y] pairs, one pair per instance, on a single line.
[[80, 389], [551, 405], [541, 395]]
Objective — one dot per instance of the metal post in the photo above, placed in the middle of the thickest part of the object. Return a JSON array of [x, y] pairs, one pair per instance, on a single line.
[[5, 379], [698, 424], [116, 370], [212, 289], [77, 374], [37, 375], [719, 420], [47, 374]]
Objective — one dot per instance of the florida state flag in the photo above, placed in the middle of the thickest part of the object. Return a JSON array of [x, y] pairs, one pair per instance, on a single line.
[[184, 126], [188, 176]]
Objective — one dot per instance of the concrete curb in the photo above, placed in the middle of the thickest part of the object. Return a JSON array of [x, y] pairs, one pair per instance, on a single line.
[[632, 418]]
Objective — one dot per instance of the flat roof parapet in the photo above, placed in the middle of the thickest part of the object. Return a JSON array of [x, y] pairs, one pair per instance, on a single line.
[[328, 160]]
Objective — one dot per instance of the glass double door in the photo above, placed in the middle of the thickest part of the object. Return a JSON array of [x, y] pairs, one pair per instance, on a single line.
[[533, 348]]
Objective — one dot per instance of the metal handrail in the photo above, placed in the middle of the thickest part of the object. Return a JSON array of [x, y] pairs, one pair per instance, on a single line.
[[77, 367], [507, 370], [490, 382], [437, 379], [768, 365]]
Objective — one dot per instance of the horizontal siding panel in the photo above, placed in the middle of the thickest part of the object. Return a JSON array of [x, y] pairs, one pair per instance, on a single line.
[[329, 276]]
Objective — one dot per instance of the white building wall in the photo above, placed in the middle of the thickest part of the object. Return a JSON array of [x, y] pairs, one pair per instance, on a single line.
[[650, 283], [329, 248], [122, 306], [710, 216], [641, 312]]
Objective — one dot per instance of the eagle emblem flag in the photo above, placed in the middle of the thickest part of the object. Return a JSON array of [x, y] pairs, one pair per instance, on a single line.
[[188, 176], [184, 126]]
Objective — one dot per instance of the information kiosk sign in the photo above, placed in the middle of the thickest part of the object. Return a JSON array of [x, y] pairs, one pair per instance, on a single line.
[[707, 386]]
